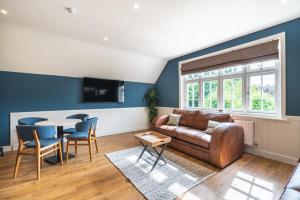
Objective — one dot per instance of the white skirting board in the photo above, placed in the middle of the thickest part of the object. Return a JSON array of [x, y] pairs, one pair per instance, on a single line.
[[273, 138], [111, 121]]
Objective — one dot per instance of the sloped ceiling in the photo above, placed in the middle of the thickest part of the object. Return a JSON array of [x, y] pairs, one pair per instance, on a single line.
[[39, 36]]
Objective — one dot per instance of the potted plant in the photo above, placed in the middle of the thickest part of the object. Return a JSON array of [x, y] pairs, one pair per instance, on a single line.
[[151, 98]]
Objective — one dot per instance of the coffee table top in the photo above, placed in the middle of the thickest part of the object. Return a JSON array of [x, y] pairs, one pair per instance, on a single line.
[[152, 138]]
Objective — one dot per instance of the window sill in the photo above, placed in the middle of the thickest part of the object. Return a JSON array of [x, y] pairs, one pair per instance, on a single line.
[[266, 117], [245, 115]]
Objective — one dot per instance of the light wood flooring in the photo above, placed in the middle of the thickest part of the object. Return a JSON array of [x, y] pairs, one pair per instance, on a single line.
[[250, 177]]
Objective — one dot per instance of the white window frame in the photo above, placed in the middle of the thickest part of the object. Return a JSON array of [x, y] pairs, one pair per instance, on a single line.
[[215, 78], [261, 73], [186, 90], [239, 75], [280, 82]]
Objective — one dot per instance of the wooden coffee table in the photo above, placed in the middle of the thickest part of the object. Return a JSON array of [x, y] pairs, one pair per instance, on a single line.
[[150, 140]]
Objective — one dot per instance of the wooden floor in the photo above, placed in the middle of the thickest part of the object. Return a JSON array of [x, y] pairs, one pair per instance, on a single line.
[[251, 177]]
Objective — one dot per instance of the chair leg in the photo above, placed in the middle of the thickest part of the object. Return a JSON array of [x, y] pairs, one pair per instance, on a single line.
[[17, 165], [54, 152], [75, 148], [67, 156], [90, 150], [42, 161], [60, 154], [38, 165], [96, 146]]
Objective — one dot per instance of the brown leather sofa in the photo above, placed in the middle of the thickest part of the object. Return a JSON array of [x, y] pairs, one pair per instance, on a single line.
[[292, 189], [222, 147]]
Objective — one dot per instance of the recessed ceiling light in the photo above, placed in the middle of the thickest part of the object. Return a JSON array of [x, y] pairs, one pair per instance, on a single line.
[[136, 6], [158, 53], [283, 1], [105, 39], [70, 10], [4, 12]]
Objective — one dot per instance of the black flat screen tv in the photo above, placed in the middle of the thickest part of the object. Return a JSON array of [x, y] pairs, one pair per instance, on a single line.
[[103, 90]]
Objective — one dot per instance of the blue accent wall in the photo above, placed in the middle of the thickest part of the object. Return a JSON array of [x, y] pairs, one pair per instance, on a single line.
[[168, 83], [21, 92]]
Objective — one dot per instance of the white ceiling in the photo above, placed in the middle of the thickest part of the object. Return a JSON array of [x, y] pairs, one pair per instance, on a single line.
[[159, 29]]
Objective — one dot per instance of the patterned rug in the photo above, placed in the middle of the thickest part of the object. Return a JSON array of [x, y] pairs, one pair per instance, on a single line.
[[166, 181]]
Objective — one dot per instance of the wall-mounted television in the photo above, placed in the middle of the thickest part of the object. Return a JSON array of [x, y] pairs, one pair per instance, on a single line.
[[103, 90]]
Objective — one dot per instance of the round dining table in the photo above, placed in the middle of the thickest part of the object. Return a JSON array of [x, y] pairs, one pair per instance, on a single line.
[[60, 124]]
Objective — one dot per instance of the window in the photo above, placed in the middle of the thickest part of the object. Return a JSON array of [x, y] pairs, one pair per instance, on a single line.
[[262, 93], [233, 93], [210, 94], [192, 95], [250, 88]]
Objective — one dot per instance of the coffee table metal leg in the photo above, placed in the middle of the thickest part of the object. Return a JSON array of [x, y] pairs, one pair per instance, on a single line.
[[145, 147], [162, 158], [159, 155]]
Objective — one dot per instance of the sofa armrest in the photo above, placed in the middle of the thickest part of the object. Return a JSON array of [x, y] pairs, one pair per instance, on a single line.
[[227, 144], [159, 121]]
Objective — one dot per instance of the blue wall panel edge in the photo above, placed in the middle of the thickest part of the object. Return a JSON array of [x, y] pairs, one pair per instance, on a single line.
[[168, 83], [23, 92]]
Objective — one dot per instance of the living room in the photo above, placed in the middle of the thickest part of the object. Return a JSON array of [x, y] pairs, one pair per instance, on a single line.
[[149, 99]]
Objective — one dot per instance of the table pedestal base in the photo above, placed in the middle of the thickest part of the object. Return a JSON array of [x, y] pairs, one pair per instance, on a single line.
[[53, 160]]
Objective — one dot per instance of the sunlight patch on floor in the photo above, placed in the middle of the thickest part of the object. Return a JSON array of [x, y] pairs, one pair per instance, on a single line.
[[176, 188], [190, 196], [158, 177], [247, 187]]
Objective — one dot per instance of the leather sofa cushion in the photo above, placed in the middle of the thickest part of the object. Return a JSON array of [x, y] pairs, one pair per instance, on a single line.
[[202, 118], [294, 182], [187, 117], [290, 194], [167, 130], [170, 130], [194, 136]]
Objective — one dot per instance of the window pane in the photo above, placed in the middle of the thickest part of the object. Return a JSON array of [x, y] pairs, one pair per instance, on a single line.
[[192, 95], [262, 93], [233, 70], [210, 94], [255, 93], [209, 74], [268, 92], [269, 64], [254, 66], [196, 94], [227, 93], [192, 77], [233, 93]]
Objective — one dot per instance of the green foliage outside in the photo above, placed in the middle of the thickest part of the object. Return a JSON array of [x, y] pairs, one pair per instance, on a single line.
[[262, 93]]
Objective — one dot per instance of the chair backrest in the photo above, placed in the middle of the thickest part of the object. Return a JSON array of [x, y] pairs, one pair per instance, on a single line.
[[25, 132], [31, 120], [93, 121], [82, 117], [83, 126]]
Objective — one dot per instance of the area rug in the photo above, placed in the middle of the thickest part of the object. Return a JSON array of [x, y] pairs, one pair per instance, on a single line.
[[166, 181]]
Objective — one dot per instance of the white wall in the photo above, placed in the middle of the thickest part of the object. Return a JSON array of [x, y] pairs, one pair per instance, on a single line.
[[275, 139], [31, 51], [111, 121]]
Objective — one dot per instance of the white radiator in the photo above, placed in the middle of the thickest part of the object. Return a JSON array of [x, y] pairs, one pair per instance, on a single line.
[[248, 127]]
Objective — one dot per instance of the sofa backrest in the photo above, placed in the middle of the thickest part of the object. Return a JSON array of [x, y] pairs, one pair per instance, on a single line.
[[199, 119], [202, 118], [187, 117]]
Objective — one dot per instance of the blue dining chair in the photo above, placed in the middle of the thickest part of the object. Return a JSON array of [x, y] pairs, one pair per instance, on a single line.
[[82, 117], [31, 120], [87, 133], [37, 141]]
